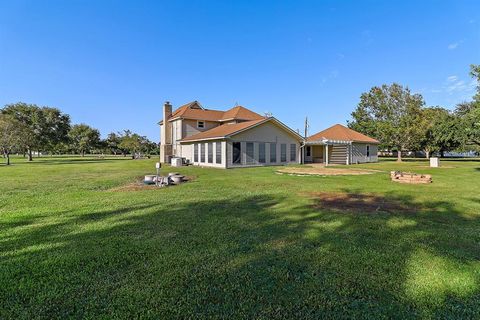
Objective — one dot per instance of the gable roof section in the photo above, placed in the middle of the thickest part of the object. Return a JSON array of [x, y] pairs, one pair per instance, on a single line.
[[198, 114], [240, 113], [195, 111], [341, 133], [227, 130]]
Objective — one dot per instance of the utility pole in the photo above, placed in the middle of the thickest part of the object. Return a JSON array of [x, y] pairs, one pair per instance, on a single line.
[[306, 127]]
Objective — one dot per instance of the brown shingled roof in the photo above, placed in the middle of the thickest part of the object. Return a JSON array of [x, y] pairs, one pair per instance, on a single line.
[[339, 132], [240, 113], [224, 130], [195, 111]]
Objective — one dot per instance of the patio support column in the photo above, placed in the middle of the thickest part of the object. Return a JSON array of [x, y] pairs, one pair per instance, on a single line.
[[326, 154], [348, 154]]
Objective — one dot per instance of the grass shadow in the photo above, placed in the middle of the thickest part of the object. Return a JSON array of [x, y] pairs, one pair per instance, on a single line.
[[260, 256]]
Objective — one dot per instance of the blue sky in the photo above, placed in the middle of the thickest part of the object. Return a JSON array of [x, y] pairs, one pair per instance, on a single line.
[[112, 64]]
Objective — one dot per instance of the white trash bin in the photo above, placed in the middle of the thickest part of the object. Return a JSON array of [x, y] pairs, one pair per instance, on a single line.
[[434, 162]]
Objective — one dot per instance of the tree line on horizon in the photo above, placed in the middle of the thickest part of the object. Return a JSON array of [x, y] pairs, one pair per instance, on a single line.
[[400, 120], [29, 129]]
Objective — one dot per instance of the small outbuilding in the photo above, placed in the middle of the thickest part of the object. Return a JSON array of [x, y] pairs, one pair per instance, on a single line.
[[340, 145]]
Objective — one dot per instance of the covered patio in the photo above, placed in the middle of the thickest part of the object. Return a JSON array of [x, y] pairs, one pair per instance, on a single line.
[[327, 152], [339, 145]]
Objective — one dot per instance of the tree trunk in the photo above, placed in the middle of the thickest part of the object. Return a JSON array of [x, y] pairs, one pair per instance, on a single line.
[[6, 155], [83, 153], [30, 157], [399, 156], [427, 154]]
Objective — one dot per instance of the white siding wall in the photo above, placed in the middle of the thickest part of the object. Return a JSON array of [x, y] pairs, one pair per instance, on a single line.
[[359, 153], [187, 151], [176, 127], [191, 148], [189, 127], [267, 133]]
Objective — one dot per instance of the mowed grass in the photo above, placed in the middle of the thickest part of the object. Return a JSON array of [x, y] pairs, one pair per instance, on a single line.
[[243, 243]]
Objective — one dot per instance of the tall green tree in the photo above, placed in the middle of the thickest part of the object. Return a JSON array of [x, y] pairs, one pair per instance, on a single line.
[[390, 114], [31, 116], [113, 143], [57, 126], [469, 113], [131, 142], [12, 135], [47, 126], [439, 130], [426, 124], [83, 138], [475, 74]]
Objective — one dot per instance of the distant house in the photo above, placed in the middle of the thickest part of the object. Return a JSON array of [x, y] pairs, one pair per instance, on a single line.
[[237, 137], [340, 145]]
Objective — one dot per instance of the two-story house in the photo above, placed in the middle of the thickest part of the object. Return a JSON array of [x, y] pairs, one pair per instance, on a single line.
[[237, 137]]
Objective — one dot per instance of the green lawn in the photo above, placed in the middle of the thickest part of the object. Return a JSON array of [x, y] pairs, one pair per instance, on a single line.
[[243, 243]]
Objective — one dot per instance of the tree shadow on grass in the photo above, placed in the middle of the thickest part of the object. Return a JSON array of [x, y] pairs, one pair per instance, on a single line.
[[76, 161], [260, 256]]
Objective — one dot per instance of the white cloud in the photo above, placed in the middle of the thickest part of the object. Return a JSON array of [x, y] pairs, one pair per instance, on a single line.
[[452, 78], [456, 86], [453, 46], [334, 73]]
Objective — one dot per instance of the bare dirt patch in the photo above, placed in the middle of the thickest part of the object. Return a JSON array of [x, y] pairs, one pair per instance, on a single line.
[[134, 186], [325, 171], [359, 203]]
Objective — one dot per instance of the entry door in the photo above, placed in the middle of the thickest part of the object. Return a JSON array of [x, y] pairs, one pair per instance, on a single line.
[[308, 154]]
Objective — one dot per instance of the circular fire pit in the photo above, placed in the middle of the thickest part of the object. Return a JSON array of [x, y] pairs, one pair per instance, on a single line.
[[409, 177]]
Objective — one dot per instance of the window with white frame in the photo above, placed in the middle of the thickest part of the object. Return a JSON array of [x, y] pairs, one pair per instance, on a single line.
[[261, 152], [195, 152], [200, 124], [210, 152], [283, 152], [293, 152], [273, 152], [202, 152], [250, 153], [218, 152], [236, 152]]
